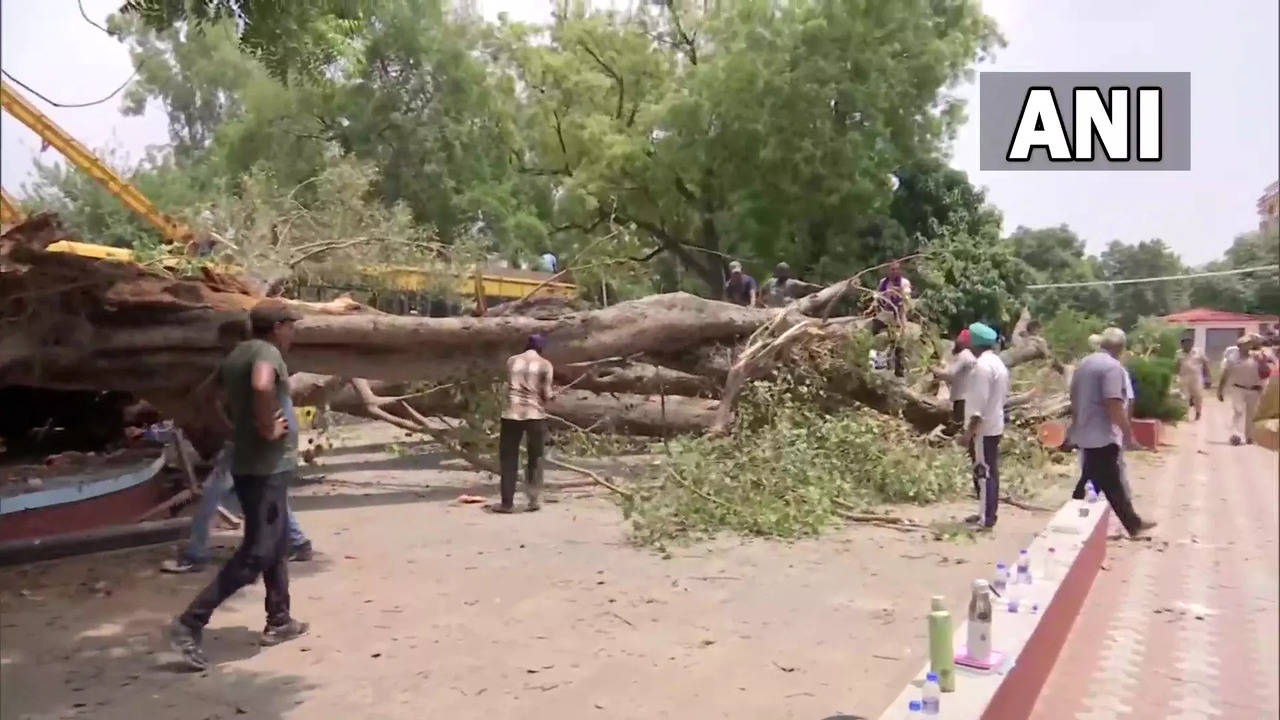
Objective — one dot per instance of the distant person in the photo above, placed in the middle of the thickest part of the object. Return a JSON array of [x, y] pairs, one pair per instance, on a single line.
[[891, 296], [985, 397], [1243, 379], [1100, 427], [255, 382], [218, 484], [740, 288], [777, 290], [1193, 373], [529, 389], [550, 263]]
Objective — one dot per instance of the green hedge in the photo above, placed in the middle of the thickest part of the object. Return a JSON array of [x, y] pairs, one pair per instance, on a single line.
[[1152, 380]]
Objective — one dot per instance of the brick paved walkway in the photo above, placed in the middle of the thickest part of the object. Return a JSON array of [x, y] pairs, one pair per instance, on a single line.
[[1138, 649]]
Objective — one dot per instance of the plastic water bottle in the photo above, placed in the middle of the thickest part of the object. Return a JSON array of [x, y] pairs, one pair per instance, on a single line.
[[931, 696], [913, 710], [1050, 571], [1000, 580], [1090, 493], [1024, 568]]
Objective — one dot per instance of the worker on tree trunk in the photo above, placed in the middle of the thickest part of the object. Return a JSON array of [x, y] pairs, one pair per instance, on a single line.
[[524, 416]]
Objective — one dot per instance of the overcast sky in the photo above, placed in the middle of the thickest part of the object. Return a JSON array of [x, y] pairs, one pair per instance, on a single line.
[[1230, 47]]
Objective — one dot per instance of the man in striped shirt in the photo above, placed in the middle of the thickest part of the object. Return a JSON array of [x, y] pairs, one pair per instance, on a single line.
[[524, 415]]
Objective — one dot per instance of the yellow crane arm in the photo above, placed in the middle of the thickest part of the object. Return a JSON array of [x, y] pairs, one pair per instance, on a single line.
[[83, 158], [10, 213]]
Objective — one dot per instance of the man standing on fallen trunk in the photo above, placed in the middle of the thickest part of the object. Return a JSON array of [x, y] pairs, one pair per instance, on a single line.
[[264, 460], [524, 416], [988, 389], [1100, 427]]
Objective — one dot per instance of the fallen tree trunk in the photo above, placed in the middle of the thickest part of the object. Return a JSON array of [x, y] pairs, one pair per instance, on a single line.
[[79, 323], [577, 409]]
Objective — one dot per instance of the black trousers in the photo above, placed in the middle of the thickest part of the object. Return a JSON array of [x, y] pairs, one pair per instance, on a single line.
[[264, 551], [986, 478], [509, 457], [877, 327], [1102, 466]]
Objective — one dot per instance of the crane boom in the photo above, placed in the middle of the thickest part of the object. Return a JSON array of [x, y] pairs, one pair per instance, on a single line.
[[80, 156], [10, 213]]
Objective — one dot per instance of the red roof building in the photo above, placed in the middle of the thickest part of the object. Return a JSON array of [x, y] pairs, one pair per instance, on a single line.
[[1216, 330]]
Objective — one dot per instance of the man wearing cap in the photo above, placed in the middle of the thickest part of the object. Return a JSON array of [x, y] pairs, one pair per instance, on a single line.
[[218, 485], [524, 416], [985, 395], [1242, 381], [255, 382], [1100, 427], [740, 288]]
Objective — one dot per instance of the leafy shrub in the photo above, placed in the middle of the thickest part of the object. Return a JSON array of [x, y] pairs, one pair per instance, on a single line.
[[1067, 333], [1153, 337], [1152, 379]]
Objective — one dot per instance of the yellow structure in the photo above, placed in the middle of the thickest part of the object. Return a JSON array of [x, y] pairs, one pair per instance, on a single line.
[[494, 283], [80, 156]]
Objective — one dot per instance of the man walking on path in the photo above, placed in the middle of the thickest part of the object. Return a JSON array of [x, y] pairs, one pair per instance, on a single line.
[[264, 460], [1242, 381], [740, 288], [1100, 427], [218, 484], [985, 396], [528, 390], [1193, 374]]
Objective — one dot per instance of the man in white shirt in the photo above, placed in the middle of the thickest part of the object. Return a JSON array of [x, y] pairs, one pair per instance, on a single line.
[[985, 395], [1242, 381]]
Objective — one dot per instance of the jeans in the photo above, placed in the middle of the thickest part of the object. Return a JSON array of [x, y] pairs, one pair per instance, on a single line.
[[986, 475], [509, 457], [264, 551], [217, 488]]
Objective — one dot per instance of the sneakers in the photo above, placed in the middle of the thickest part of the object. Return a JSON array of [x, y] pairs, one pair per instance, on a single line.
[[1235, 440], [300, 553], [182, 565], [276, 634], [186, 642]]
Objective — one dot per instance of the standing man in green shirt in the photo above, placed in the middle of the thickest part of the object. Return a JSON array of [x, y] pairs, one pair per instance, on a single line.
[[255, 385]]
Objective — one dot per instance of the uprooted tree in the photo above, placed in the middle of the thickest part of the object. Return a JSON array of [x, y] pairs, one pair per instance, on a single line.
[[665, 364]]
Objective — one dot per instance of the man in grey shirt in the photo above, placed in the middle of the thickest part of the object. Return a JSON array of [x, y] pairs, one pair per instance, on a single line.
[[1100, 427]]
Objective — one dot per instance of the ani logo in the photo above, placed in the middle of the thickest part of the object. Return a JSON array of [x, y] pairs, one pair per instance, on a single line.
[[1085, 121]]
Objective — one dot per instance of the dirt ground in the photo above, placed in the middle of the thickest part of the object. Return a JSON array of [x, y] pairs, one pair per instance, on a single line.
[[423, 607]]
